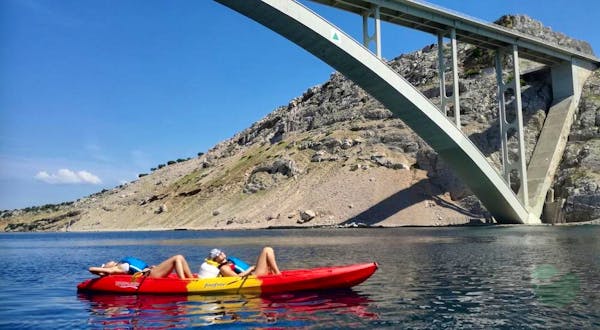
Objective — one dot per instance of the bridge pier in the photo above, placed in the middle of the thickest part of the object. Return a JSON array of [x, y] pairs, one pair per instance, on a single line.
[[516, 126], [568, 78], [445, 100], [376, 36]]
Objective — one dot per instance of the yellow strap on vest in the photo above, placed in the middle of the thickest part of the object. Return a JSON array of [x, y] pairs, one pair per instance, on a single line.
[[135, 276]]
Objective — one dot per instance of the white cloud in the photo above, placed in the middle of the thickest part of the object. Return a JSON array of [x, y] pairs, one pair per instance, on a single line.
[[66, 176]]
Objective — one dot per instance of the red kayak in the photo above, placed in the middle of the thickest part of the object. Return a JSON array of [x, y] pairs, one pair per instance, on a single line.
[[289, 280]]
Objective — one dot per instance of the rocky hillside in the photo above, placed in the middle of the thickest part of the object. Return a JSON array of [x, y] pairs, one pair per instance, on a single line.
[[336, 156]]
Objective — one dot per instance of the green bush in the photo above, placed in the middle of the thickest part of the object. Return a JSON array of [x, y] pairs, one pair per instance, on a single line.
[[142, 175], [472, 72], [171, 162]]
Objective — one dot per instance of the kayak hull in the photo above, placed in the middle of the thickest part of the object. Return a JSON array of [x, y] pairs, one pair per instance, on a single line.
[[290, 280]]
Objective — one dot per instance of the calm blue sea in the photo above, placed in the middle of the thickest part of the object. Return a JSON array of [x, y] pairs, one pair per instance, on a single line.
[[475, 277]]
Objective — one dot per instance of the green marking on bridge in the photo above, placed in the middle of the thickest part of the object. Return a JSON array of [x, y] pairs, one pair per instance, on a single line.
[[335, 36]]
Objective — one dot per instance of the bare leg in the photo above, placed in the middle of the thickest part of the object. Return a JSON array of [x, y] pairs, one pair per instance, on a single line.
[[182, 268], [266, 264], [177, 263]]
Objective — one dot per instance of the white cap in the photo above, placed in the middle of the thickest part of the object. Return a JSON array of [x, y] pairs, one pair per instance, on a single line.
[[214, 253]]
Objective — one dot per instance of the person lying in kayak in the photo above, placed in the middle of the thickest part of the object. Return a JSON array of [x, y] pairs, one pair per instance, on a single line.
[[130, 265], [265, 264]]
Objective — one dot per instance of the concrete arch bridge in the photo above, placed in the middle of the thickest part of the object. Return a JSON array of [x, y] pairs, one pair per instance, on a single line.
[[569, 69]]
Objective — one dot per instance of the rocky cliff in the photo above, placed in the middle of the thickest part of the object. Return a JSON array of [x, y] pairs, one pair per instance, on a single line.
[[336, 156]]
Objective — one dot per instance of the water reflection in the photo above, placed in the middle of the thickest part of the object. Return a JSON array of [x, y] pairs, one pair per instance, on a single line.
[[290, 309]]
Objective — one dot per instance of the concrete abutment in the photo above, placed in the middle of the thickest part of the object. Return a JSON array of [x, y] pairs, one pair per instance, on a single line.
[[567, 83]]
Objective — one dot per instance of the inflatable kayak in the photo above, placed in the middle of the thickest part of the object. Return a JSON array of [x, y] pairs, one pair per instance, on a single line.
[[289, 280]]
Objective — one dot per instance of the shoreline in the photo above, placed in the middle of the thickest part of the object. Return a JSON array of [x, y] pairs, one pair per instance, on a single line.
[[340, 227]]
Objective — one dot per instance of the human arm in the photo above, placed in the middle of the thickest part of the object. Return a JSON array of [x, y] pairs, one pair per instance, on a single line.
[[226, 271], [102, 271], [247, 271]]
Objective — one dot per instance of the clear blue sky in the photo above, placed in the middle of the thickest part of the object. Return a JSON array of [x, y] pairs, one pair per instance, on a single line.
[[92, 93]]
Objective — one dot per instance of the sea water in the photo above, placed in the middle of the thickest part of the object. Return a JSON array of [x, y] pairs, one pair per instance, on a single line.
[[465, 277]]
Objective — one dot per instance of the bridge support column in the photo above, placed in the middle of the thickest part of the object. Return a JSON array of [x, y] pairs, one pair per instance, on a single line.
[[567, 82], [444, 98], [376, 36], [568, 79], [515, 126]]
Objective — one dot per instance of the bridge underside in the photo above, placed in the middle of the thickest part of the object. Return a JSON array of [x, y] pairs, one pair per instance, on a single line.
[[314, 34], [432, 19]]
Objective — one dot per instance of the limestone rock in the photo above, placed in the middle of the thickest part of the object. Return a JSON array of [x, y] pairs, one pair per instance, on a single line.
[[323, 156], [265, 176], [527, 25], [306, 216], [384, 161], [583, 207], [162, 208], [272, 217], [347, 144]]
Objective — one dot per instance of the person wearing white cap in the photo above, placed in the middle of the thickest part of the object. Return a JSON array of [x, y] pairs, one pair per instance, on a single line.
[[265, 264]]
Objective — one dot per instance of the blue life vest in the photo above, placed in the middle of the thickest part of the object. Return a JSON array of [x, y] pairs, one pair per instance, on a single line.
[[135, 264], [239, 265]]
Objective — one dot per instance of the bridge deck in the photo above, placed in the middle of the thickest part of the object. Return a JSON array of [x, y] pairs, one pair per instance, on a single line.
[[433, 19]]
